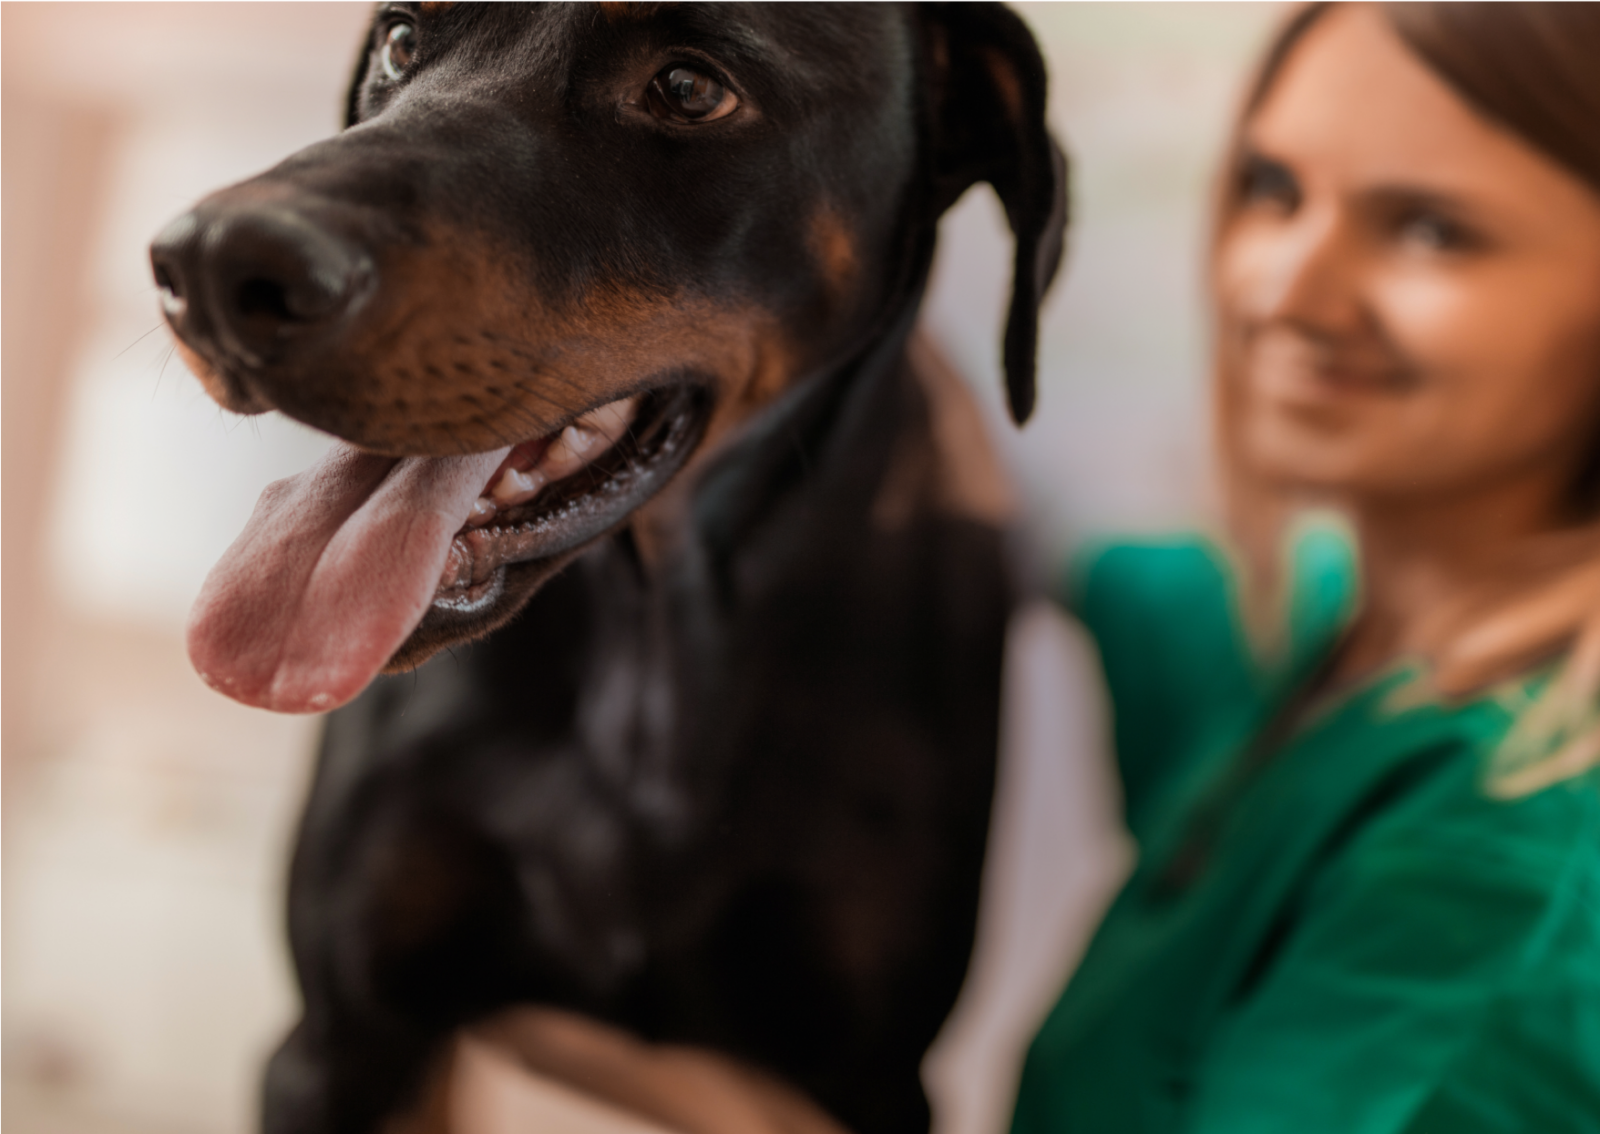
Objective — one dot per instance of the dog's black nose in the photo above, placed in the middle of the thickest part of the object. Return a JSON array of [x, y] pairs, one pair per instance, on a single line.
[[254, 277]]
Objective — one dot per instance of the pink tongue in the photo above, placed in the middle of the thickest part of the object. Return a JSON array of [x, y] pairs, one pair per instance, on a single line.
[[332, 573]]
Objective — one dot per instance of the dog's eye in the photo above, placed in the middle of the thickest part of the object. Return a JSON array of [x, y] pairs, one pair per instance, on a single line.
[[682, 94], [399, 47]]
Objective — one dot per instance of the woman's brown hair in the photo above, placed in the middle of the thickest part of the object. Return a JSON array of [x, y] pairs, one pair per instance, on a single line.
[[1533, 69]]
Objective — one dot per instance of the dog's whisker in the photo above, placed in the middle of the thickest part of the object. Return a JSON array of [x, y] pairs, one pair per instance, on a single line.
[[631, 434], [137, 341], [161, 369], [562, 408]]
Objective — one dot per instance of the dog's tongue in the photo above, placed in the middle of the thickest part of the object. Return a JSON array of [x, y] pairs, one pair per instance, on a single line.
[[332, 573]]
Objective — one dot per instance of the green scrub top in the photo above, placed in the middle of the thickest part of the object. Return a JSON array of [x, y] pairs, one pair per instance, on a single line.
[[1340, 932]]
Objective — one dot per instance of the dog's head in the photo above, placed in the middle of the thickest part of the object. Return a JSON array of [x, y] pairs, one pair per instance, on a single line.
[[583, 244]]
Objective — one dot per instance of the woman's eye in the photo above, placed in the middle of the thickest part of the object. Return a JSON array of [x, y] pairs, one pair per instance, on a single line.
[[683, 94], [1267, 182], [399, 48], [1435, 232]]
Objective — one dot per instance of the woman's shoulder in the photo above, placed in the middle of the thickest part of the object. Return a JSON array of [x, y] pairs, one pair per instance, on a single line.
[[1188, 585], [1145, 572], [1169, 601], [1459, 851], [1445, 762], [1489, 785], [1185, 677], [1161, 615]]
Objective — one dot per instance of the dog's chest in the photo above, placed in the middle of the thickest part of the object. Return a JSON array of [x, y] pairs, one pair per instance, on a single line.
[[648, 763]]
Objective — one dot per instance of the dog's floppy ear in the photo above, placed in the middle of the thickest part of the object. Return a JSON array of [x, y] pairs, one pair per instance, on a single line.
[[986, 87]]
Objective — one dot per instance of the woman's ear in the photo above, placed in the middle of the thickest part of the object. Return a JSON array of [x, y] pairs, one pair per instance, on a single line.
[[986, 83]]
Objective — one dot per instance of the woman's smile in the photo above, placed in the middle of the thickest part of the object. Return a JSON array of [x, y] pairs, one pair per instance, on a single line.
[[1294, 370], [1361, 761], [1406, 289]]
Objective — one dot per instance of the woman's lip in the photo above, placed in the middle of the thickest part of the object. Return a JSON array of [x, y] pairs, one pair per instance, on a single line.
[[1324, 387], [1295, 371]]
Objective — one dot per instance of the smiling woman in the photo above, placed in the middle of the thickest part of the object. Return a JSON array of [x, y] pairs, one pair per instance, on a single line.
[[1409, 328], [1370, 841]]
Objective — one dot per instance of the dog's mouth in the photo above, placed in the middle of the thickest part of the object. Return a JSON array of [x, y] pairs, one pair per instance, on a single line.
[[365, 562], [553, 494]]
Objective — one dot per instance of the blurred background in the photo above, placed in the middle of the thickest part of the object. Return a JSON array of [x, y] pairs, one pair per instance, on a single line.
[[147, 820]]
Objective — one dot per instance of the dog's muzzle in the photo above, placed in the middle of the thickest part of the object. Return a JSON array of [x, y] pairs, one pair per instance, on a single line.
[[250, 283]]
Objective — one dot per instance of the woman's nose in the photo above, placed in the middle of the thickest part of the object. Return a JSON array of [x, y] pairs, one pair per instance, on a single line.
[[1309, 274]]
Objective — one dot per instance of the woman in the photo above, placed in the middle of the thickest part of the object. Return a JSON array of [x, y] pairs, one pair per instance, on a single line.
[[1368, 897]]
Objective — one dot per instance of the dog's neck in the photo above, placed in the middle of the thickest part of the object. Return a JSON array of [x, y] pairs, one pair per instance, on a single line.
[[804, 473], [807, 433]]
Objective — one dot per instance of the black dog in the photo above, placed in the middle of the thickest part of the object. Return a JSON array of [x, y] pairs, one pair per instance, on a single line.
[[724, 780]]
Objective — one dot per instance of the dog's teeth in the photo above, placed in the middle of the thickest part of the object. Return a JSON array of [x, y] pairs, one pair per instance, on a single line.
[[483, 510], [570, 452], [610, 420], [583, 441], [514, 486]]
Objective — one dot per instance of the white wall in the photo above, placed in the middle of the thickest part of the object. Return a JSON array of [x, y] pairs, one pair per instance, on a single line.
[[201, 95]]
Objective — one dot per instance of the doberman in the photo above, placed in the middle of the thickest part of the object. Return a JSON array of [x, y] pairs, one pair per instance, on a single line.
[[611, 306]]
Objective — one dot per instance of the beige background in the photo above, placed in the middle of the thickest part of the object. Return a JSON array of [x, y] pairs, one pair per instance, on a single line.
[[146, 820]]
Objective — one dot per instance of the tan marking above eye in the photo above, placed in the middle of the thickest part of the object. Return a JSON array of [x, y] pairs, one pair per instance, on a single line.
[[834, 247], [1006, 83]]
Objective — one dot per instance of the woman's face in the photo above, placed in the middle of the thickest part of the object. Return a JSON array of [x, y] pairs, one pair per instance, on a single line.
[[1410, 295]]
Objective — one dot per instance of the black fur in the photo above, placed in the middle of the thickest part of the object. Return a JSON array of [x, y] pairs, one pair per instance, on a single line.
[[742, 804], [738, 798]]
